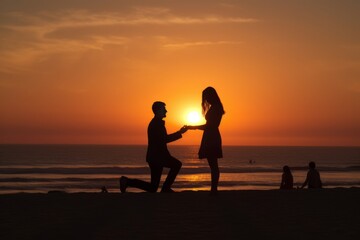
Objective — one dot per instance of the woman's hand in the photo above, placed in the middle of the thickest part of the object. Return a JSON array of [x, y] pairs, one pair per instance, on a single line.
[[191, 127]]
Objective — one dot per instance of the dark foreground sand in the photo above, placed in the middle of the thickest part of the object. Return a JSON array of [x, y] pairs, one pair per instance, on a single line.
[[296, 214]]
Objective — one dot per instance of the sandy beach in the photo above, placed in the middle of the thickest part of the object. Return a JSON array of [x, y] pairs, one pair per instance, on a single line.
[[295, 214]]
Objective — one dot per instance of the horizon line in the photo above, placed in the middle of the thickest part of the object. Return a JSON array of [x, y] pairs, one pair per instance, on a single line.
[[171, 145]]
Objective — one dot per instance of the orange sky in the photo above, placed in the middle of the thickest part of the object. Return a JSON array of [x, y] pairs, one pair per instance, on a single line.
[[287, 72]]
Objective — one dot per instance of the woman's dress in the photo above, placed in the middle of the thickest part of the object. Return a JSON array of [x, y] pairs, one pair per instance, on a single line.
[[211, 146]]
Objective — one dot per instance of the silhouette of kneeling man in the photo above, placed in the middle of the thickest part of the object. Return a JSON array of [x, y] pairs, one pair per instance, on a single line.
[[158, 155]]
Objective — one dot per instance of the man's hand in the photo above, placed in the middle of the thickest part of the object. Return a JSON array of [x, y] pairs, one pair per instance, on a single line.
[[183, 129]]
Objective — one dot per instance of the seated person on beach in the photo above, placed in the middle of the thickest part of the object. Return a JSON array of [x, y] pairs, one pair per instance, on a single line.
[[158, 155], [313, 177], [287, 180]]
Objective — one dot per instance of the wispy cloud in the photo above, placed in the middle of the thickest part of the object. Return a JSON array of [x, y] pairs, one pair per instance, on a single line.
[[17, 60], [47, 21], [44, 33], [351, 47], [196, 44]]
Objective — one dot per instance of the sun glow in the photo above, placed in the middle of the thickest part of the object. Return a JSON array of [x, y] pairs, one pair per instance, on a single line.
[[193, 117]]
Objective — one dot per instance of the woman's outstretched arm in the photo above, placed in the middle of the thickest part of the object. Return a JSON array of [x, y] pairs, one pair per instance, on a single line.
[[198, 127]]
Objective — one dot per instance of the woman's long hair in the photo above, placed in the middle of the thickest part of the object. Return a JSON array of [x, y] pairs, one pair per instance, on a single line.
[[210, 98]]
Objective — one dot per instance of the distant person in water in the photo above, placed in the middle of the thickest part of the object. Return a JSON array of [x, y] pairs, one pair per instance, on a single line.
[[211, 146], [313, 179], [287, 180], [157, 155], [104, 190]]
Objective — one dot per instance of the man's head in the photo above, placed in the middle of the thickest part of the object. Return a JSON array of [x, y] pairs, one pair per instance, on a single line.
[[159, 109], [312, 165]]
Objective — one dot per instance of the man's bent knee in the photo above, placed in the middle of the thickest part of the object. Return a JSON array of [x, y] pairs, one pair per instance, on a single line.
[[178, 165]]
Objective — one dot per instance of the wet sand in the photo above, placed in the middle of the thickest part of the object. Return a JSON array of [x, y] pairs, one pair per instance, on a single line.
[[275, 214]]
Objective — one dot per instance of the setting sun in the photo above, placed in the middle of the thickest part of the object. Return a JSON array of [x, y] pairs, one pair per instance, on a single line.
[[193, 117]]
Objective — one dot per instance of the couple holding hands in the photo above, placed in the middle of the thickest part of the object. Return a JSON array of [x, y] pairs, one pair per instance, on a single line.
[[158, 155]]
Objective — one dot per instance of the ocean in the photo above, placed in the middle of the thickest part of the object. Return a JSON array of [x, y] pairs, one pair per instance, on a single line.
[[87, 168]]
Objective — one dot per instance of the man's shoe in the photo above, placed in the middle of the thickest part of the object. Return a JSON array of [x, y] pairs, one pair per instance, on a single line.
[[169, 190], [123, 184]]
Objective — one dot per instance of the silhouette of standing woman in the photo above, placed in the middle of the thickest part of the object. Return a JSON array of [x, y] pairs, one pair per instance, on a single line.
[[210, 147]]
